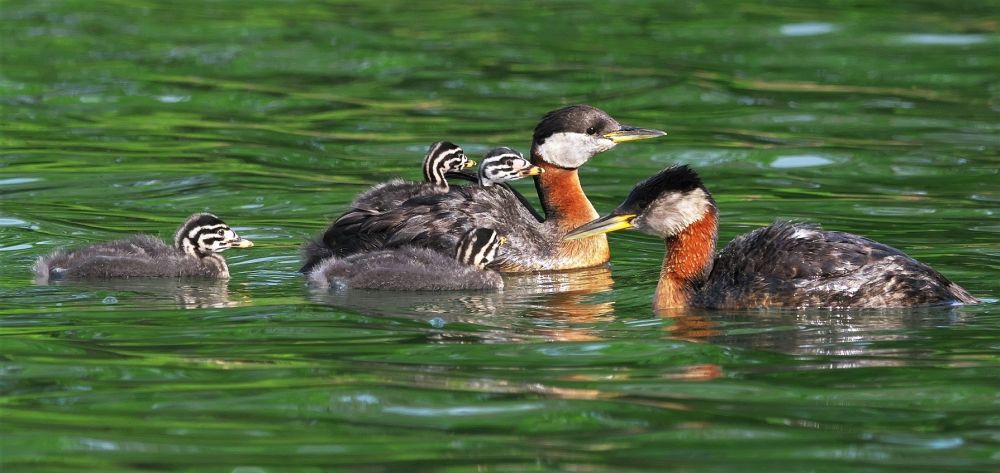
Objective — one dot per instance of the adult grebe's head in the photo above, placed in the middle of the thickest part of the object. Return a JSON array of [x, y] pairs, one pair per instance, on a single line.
[[570, 136], [663, 205]]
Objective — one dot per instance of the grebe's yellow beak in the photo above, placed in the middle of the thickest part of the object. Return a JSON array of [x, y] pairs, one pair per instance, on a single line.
[[606, 224], [631, 133]]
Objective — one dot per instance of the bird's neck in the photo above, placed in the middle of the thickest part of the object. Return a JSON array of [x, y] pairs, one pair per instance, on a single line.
[[215, 260], [189, 248], [687, 262], [435, 176], [567, 207], [561, 195]]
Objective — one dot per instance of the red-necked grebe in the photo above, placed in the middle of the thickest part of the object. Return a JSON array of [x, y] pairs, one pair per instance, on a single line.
[[785, 264]]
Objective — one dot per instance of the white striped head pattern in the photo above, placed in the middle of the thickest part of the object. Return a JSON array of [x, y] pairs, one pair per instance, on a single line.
[[443, 157], [505, 164], [204, 234], [479, 247]]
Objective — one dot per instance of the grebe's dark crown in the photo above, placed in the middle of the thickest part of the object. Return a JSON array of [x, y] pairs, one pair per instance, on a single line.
[[678, 178], [582, 119]]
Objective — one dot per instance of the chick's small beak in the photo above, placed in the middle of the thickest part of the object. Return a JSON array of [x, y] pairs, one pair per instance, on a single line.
[[631, 133], [470, 163], [242, 243], [531, 171], [607, 224]]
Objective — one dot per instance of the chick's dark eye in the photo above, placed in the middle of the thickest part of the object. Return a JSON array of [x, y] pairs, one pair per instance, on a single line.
[[221, 232], [591, 131]]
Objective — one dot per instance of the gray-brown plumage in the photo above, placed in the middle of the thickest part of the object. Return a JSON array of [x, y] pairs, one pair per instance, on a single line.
[[564, 140], [785, 264], [416, 269], [442, 157], [195, 253]]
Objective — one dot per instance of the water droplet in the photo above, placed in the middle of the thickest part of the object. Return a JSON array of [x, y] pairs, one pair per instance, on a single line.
[[437, 322], [110, 300]]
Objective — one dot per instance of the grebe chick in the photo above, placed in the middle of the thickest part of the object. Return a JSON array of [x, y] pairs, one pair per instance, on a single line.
[[442, 157], [195, 253], [417, 269], [504, 164], [785, 264], [563, 141]]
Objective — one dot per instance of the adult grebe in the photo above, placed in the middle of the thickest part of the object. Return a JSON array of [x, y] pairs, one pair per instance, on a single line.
[[785, 264], [417, 269], [195, 253], [563, 141]]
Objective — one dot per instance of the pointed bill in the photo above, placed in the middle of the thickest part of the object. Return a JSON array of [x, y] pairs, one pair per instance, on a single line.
[[531, 171], [631, 133], [242, 243], [606, 224]]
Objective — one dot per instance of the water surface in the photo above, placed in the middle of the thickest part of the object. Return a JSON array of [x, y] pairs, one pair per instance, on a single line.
[[127, 116]]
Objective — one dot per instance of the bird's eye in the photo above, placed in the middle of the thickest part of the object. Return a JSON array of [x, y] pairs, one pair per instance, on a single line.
[[221, 232], [591, 131]]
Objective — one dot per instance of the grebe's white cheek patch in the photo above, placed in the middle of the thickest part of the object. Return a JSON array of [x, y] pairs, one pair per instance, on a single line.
[[671, 213], [572, 150]]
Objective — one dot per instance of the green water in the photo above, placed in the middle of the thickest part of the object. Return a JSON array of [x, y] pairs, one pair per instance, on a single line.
[[127, 116]]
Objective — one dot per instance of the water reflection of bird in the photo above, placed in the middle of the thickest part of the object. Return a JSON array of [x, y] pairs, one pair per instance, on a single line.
[[563, 141], [785, 264], [195, 253], [552, 306], [416, 269]]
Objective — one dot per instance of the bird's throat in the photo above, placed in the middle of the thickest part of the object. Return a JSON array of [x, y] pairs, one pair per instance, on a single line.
[[567, 207], [687, 262]]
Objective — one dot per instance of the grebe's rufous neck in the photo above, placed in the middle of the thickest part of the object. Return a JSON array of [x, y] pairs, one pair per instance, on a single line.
[[785, 264], [563, 141]]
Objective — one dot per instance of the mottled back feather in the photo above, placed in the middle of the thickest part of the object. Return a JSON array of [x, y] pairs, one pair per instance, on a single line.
[[799, 265]]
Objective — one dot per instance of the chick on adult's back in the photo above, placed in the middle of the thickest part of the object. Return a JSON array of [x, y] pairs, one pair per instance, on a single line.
[[563, 141], [442, 157], [195, 253], [416, 269]]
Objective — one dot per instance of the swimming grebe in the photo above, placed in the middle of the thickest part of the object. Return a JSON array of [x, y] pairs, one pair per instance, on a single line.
[[563, 141], [442, 157], [195, 253], [417, 269], [785, 264]]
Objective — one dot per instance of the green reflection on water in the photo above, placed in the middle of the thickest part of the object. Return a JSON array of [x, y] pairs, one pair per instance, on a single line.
[[123, 117]]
